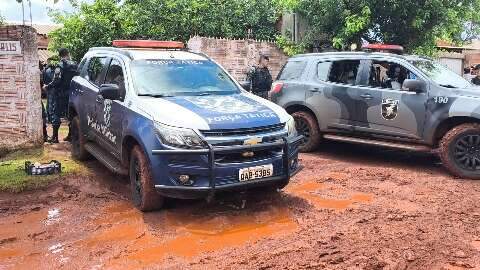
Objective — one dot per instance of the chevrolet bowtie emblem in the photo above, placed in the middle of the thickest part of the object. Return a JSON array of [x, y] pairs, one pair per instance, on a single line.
[[248, 154], [253, 141]]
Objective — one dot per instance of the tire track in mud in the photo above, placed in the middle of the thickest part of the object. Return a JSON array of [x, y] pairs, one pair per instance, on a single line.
[[384, 210]]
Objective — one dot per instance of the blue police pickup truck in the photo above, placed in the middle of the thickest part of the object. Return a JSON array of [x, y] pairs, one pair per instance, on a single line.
[[177, 124]]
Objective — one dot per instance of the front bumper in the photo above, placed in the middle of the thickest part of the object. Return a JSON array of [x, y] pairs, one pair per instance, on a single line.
[[289, 148]]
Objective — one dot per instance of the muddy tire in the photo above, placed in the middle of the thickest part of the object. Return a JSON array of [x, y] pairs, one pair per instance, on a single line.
[[144, 195], [307, 126], [78, 141], [459, 151]]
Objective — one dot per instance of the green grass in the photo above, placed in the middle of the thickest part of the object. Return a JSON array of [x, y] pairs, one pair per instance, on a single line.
[[12, 168]]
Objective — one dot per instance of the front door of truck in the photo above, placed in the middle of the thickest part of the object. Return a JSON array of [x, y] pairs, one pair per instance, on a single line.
[[385, 107], [110, 112]]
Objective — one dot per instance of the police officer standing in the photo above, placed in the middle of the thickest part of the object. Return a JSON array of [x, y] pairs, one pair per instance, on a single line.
[[260, 78], [59, 90], [47, 78]]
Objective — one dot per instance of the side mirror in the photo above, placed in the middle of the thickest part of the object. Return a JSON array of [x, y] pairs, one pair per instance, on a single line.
[[109, 91], [416, 86], [246, 85]]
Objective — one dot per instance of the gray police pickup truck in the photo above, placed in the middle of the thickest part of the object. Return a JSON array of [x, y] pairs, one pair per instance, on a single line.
[[398, 101]]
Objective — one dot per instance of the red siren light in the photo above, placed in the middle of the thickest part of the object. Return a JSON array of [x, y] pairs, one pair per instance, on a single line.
[[148, 44], [383, 48]]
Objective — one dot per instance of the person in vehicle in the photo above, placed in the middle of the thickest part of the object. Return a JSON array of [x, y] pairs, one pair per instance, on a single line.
[[260, 78], [396, 76]]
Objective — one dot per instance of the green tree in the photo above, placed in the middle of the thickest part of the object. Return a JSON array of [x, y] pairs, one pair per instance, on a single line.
[[411, 23], [102, 21], [89, 26]]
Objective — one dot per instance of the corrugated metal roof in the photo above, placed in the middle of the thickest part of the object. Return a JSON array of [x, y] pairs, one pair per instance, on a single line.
[[43, 55], [44, 29]]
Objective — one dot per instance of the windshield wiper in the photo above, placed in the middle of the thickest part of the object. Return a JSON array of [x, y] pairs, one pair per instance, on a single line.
[[154, 95], [448, 86]]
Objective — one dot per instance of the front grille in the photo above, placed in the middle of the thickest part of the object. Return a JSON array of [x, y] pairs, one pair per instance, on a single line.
[[238, 158], [242, 131]]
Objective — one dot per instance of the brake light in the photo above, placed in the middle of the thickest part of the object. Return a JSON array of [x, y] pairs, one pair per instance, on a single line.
[[276, 88], [148, 44]]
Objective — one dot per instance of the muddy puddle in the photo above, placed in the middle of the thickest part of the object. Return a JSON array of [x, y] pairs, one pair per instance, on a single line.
[[119, 236], [314, 193]]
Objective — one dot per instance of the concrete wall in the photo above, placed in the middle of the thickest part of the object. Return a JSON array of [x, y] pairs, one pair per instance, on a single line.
[[454, 61], [20, 109], [238, 56]]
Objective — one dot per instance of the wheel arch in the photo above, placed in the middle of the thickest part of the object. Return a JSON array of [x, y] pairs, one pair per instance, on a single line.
[[296, 107], [128, 142], [449, 123]]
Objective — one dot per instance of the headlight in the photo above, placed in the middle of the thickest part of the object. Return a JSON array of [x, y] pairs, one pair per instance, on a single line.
[[179, 137], [292, 131]]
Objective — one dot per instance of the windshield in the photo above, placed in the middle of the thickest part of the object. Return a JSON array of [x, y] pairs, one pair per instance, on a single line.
[[180, 77], [441, 74]]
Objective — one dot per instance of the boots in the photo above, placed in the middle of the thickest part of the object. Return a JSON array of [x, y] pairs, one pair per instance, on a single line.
[[54, 138]]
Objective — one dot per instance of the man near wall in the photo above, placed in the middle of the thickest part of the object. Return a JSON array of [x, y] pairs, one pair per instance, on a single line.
[[260, 78], [62, 75]]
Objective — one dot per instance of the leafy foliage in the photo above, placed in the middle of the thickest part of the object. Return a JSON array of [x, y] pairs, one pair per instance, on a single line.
[[289, 47], [99, 23], [411, 23]]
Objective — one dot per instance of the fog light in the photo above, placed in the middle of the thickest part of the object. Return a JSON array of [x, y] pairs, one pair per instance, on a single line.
[[184, 179]]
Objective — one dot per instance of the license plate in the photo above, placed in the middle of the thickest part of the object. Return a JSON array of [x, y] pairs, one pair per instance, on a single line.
[[257, 172]]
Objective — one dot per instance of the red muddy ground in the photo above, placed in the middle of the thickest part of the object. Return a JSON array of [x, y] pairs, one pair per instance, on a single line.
[[352, 207]]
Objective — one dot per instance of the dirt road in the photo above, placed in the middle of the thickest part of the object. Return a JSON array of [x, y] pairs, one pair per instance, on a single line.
[[352, 207]]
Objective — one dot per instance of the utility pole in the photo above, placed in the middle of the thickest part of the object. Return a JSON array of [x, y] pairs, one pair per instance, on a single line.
[[30, 6]]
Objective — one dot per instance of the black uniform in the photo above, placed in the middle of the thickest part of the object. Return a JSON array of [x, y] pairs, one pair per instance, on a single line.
[[47, 77], [60, 91], [260, 80], [476, 80]]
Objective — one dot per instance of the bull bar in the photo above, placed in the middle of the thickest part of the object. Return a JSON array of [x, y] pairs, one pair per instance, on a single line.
[[212, 150]]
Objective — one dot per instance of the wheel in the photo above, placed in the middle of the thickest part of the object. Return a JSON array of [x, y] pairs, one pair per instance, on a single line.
[[144, 195], [78, 141], [307, 126], [459, 151]]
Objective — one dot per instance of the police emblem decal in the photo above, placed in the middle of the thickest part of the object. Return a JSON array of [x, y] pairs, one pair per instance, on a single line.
[[107, 109], [389, 108]]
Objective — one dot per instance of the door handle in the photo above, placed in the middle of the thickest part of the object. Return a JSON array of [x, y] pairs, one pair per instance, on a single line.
[[366, 96], [315, 90]]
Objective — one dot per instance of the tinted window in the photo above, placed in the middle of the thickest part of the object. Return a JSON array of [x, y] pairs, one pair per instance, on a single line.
[[344, 72], [115, 76], [323, 69], [440, 74], [292, 70], [180, 77], [94, 70], [388, 75]]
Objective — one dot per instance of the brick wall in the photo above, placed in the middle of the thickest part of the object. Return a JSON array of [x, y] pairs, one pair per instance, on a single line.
[[20, 109], [237, 56]]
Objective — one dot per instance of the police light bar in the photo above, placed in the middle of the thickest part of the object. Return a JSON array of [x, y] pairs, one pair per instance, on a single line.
[[148, 44], [383, 47]]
